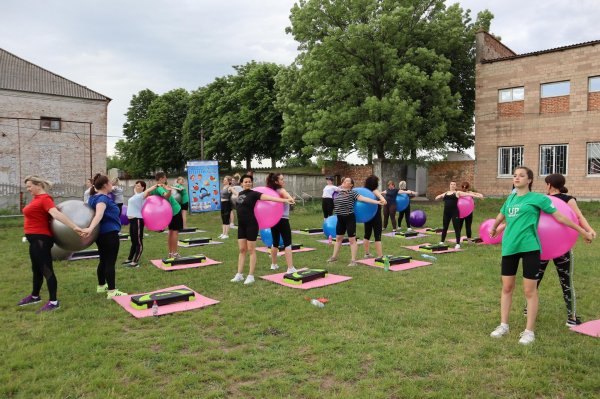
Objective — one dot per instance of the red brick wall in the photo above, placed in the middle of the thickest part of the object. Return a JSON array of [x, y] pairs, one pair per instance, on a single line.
[[439, 176], [594, 101], [342, 169], [554, 105], [513, 108]]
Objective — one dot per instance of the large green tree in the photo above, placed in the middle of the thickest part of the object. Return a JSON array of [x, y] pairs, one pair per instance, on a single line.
[[389, 77]]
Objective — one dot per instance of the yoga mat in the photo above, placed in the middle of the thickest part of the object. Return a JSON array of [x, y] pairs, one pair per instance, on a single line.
[[396, 268], [281, 253], [305, 233], [396, 235], [207, 262], [345, 243], [200, 302], [424, 231], [322, 282], [591, 328], [416, 248], [180, 244]]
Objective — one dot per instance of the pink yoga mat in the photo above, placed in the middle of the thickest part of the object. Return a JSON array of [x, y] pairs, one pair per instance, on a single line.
[[199, 302], [179, 244], [416, 248], [345, 243], [396, 235], [322, 282], [281, 253], [591, 328], [305, 233], [207, 262], [396, 268]]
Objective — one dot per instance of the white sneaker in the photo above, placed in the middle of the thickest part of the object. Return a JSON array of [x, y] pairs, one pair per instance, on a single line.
[[457, 246], [224, 236], [409, 230], [274, 267], [500, 331], [249, 280], [231, 225], [441, 242], [292, 270], [220, 236], [238, 277], [527, 337]]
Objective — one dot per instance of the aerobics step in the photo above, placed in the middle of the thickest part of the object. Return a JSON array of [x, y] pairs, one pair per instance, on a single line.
[[394, 260], [162, 298], [184, 260], [304, 276]]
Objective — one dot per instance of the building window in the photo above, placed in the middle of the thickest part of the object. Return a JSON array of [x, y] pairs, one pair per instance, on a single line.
[[508, 159], [49, 123], [593, 158], [556, 89], [594, 84], [594, 93], [553, 159], [513, 94]]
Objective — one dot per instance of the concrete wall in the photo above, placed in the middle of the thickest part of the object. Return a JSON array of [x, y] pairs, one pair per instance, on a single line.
[[442, 173]]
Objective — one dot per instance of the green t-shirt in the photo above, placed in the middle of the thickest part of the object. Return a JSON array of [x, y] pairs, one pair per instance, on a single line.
[[184, 193], [522, 215], [174, 204]]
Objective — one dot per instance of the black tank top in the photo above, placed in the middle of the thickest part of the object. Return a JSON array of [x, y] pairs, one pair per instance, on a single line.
[[450, 201], [563, 197]]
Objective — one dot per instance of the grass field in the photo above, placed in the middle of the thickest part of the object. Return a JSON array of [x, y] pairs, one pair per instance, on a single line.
[[421, 333]]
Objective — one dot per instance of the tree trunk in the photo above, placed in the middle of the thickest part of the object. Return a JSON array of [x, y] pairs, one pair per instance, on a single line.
[[273, 162], [248, 162]]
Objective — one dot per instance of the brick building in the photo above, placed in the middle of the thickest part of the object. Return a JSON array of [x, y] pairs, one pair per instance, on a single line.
[[49, 125], [539, 109]]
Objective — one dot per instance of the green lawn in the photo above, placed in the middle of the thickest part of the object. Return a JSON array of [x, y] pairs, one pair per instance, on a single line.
[[412, 334]]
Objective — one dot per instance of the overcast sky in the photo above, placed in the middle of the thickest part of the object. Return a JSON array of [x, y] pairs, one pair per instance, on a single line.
[[119, 47]]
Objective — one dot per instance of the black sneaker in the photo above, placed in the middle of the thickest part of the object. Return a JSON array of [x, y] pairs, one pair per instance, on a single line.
[[573, 322], [126, 262]]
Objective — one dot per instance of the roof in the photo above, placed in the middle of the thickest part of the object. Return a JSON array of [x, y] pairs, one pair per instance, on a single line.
[[552, 50], [20, 75]]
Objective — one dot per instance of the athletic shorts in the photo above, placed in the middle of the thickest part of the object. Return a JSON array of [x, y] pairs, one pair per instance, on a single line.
[[531, 264], [185, 207], [282, 229], [346, 224], [247, 231], [176, 222]]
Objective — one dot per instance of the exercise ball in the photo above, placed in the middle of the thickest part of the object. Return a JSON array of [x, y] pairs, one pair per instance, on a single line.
[[364, 211], [329, 226], [335, 194], [465, 206], [417, 218], [402, 201], [176, 194], [267, 237], [267, 213], [123, 216], [59, 253], [484, 232], [157, 213], [556, 238], [81, 214]]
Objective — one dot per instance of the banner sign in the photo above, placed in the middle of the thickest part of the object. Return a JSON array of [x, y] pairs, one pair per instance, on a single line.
[[203, 184]]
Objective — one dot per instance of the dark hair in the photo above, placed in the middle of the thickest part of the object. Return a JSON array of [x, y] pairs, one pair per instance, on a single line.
[[351, 180], [465, 185], [372, 182], [529, 174], [272, 181], [557, 181], [142, 183], [160, 175], [246, 176], [99, 181]]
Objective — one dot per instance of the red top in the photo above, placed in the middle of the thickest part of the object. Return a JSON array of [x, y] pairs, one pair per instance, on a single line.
[[37, 218]]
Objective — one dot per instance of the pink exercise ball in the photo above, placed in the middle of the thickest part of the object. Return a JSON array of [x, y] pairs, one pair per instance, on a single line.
[[556, 238], [267, 213], [465, 206], [484, 232], [157, 213]]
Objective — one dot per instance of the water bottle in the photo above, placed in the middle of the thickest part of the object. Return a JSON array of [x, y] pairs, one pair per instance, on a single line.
[[429, 257], [386, 263], [330, 240], [317, 303], [155, 309]]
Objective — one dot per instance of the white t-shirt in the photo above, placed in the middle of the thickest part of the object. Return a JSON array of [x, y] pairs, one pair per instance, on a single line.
[[329, 189]]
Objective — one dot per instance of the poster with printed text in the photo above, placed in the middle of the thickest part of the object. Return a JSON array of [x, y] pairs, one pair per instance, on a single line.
[[203, 183]]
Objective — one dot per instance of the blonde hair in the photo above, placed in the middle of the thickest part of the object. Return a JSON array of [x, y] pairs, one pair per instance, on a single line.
[[38, 181], [391, 182], [229, 179], [180, 178], [115, 181], [402, 185]]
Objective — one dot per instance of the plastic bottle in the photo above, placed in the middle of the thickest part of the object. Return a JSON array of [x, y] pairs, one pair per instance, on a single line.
[[386, 263], [317, 303], [429, 257], [155, 309]]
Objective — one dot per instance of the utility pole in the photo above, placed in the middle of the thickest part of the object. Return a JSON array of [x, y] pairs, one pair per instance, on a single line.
[[201, 143]]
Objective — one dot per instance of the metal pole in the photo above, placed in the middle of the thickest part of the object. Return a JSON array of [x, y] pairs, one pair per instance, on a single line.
[[91, 167], [201, 143], [19, 150]]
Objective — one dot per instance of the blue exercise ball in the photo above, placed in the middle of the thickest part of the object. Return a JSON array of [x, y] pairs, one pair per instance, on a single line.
[[329, 226], [364, 211], [267, 237], [402, 201]]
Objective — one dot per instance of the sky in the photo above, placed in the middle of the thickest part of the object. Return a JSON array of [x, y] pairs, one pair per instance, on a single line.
[[120, 47]]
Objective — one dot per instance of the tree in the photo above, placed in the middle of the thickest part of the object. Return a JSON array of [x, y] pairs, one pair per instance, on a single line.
[[389, 77]]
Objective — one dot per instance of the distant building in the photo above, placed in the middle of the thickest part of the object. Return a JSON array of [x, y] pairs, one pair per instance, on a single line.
[[49, 125], [539, 109]]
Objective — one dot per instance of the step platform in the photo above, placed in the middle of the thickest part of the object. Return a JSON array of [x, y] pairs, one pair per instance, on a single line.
[[196, 241], [162, 298], [184, 260], [394, 260], [304, 276], [407, 233], [84, 254], [189, 230], [433, 247], [123, 236], [294, 247], [345, 240], [476, 240], [437, 230], [311, 231]]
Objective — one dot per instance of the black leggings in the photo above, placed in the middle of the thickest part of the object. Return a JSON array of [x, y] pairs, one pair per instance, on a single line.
[[108, 248], [327, 206], [40, 246], [467, 222], [531, 264], [226, 212], [402, 214], [282, 229], [451, 214], [389, 211], [374, 225], [564, 268], [136, 234]]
